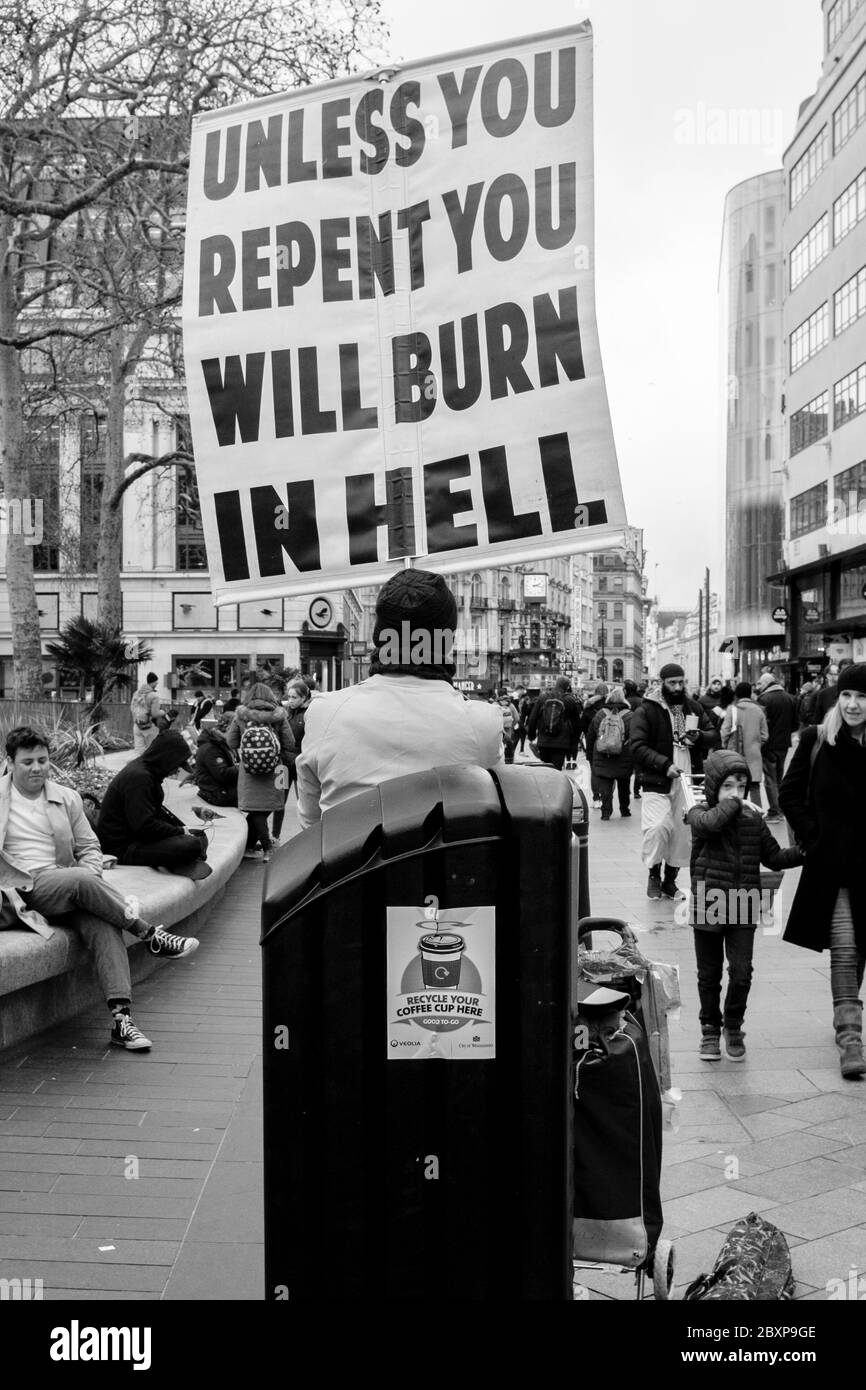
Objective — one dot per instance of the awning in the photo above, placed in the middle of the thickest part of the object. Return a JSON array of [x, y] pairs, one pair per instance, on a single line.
[[857, 552]]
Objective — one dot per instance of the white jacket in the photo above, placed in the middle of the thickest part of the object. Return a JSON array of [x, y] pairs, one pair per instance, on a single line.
[[389, 726]]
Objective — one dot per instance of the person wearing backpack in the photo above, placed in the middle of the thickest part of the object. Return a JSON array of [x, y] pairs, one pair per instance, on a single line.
[[822, 798], [612, 762], [555, 724], [510, 721], [261, 735], [145, 707]]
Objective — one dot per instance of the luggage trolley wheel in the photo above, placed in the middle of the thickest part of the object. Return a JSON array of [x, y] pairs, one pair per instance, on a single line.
[[664, 1262]]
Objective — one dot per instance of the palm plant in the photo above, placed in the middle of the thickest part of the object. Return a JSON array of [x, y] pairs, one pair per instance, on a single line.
[[102, 655]]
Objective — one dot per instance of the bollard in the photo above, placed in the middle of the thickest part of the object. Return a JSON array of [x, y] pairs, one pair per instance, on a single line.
[[417, 1044]]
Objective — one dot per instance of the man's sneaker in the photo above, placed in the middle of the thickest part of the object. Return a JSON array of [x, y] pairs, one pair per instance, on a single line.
[[654, 884], [252, 854], [125, 1034], [710, 1048], [624, 814], [165, 943], [735, 1048], [266, 858]]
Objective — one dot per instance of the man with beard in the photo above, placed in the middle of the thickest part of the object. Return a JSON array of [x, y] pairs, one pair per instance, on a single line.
[[670, 736]]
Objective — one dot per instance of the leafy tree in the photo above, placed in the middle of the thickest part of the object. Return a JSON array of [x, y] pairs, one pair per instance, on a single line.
[[96, 98], [101, 655]]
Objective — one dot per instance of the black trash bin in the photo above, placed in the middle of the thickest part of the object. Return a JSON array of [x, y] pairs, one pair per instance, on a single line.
[[417, 1097]]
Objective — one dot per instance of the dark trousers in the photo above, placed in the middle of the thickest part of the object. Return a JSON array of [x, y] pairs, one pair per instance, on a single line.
[[711, 948], [257, 830], [554, 756], [605, 790], [774, 766], [174, 852]]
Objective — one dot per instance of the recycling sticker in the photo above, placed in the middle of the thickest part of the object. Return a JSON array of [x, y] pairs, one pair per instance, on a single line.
[[441, 983]]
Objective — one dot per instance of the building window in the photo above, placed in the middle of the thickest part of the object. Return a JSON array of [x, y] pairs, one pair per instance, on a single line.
[[851, 584], [810, 249], [602, 610], [617, 669], [808, 510], [838, 16], [849, 302], [476, 591], [849, 396], [849, 491], [808, 166], [617, 637], [809, 423], [601, 583], [42, 507], [810, 336], [617, 581], [849, 208], [617, 611], [849, 114], [93, 442]]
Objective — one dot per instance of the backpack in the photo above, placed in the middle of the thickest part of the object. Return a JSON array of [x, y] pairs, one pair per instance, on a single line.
[[259, 750], [611, 732], [140, 707], [753, 1265], [552, 717]]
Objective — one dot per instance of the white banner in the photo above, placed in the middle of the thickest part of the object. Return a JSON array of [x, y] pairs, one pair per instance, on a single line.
[[389, 323]]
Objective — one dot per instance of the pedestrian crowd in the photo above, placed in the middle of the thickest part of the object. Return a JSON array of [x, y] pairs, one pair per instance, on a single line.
[[702, 764]]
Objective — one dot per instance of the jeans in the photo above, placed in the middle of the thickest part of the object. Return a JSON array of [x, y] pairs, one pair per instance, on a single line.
[[176, 851], [846, 965], [257, 830], [605, 786], [711, 947], [554, 756], [58, 892]]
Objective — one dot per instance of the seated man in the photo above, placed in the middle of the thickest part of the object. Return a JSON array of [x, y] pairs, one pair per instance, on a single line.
[[51, 863], [135, 824], [216, 772]]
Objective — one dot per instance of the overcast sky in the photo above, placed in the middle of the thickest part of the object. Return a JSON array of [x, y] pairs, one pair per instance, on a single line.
[[663, 68]]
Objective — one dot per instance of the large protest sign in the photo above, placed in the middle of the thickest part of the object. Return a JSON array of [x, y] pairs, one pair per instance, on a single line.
[[389, 323]]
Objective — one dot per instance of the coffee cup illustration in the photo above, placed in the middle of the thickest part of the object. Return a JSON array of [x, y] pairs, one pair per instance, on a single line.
[[441, 953]]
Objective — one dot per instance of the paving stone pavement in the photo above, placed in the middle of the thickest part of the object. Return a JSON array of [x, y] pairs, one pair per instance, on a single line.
[[780, 1133], [127, 1176]]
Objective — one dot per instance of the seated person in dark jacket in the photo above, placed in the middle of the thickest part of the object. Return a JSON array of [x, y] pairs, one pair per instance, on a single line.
[[216, 771], [134, 823]]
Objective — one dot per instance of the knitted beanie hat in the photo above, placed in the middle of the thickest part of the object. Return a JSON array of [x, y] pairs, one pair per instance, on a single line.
[[853, 678], [671, 671], [418, 597]]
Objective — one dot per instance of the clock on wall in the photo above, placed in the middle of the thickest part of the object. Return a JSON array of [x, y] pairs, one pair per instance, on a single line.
[[321, 612]]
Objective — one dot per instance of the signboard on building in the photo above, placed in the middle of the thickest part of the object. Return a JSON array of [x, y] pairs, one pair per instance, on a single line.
[[389, 323], [780, 615], [811, 614]]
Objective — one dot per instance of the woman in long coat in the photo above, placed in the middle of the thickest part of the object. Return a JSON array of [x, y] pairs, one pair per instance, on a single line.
[[745, 731], [823, 796], [258, 795]]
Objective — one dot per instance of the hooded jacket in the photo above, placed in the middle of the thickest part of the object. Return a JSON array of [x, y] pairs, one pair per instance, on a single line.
[[267, 791], [133, 810], [730, 842], [615, 765], [568, 736], [825, 805], [651, 739], [216, 771]]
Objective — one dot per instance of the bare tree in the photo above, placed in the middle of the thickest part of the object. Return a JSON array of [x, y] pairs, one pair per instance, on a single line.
[[96, 97]]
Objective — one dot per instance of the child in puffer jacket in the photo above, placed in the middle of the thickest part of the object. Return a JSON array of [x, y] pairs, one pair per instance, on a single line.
[[730, 842]]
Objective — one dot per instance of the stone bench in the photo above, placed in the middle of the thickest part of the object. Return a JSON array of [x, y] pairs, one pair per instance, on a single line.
[[44, 981]]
